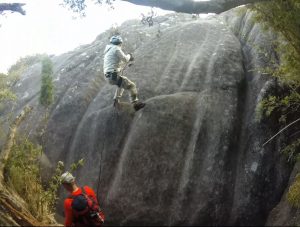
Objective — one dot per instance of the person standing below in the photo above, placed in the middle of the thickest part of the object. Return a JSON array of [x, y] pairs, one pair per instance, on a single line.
[[81, 206], [114, 57]]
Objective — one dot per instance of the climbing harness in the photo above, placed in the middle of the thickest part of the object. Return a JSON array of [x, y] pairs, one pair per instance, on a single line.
[[120, 80]]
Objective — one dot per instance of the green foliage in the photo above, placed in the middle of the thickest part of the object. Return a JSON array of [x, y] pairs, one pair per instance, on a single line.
[[54, 184], [5, 92], [79, 6], [23, 173], [50, 195], [14, 74], [265, 107], [293, 195], [292, 151], [284, 106], [74, 166], [16, 70], [283, 17], [46, 96]]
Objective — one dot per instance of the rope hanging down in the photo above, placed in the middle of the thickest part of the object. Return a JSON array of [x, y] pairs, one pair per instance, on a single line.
[[100, 170]]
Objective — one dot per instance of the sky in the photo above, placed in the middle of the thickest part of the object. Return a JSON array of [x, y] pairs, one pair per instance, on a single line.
[[50, 28]]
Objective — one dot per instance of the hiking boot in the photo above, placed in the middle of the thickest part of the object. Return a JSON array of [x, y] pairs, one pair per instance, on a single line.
[[138, 105]]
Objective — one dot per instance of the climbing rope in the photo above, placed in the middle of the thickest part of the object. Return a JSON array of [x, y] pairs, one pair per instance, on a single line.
[[100, 170]]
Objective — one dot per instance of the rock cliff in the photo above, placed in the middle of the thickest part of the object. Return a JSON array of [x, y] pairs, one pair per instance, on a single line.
[[193, 155]]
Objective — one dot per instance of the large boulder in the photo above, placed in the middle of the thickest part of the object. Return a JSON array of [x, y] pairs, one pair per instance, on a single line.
[[193, 155]]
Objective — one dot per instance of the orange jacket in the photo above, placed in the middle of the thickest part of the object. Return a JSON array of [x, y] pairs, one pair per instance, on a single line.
[[68, 204]]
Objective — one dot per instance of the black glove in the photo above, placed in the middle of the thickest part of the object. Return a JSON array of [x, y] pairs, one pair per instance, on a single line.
[[131, 57]]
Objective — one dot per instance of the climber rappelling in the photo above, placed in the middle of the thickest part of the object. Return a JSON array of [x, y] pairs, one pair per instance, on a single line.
[[114, 57]]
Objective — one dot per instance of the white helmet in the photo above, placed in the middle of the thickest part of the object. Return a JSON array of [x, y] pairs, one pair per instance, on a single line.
[[116, 40], [67, 178]]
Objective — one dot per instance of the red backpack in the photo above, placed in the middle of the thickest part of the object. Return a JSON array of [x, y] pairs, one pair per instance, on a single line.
[[86, 211]]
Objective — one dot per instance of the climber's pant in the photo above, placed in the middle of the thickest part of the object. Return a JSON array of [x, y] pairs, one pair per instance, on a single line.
[[123, 83]]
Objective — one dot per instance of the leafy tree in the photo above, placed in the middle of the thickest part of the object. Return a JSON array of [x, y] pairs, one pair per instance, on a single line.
[[184, 6], [283, 17], [7, 81], [46, 96], [5, 91], [16, 70]]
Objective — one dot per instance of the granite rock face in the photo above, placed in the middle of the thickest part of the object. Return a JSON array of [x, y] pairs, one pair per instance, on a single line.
[[193, 155]]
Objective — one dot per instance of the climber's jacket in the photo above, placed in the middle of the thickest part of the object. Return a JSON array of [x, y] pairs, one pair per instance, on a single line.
[[114, 57]]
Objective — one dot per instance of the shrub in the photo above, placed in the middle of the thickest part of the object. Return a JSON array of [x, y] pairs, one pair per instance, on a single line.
[[23, 174], [16, 70], [46, 96], [293, 195], [283, 17]]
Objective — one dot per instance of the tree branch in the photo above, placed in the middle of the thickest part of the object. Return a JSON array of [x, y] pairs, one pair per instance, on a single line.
[[189, 6], [280, 132], [14, 7]]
